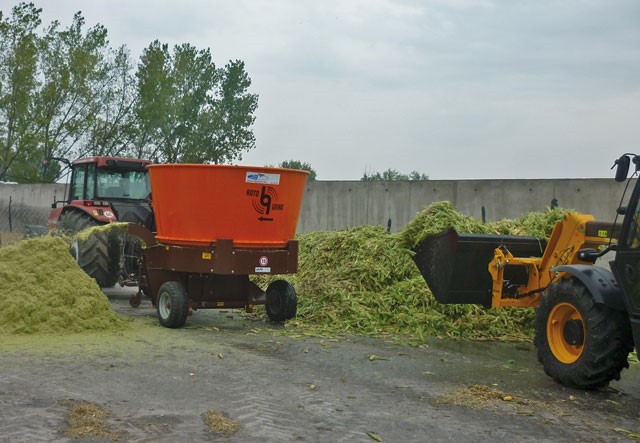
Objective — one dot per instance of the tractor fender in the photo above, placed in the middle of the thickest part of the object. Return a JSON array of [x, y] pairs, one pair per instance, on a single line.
[[600, 282], [100, 214]]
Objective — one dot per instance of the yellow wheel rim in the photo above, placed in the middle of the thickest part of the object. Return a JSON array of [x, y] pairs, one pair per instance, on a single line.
[[560, 316]]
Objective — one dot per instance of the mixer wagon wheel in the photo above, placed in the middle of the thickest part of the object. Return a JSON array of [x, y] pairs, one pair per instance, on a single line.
[[580, 343], [172, 305], [282, 301], [98, 254]]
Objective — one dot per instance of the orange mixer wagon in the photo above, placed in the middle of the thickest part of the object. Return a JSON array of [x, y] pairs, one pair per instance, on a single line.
[[215, 226]]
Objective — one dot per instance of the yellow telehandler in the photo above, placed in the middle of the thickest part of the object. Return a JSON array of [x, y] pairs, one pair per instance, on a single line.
[[587, 316]]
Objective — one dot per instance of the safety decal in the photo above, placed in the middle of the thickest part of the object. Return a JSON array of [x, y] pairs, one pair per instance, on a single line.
[[264, 260]]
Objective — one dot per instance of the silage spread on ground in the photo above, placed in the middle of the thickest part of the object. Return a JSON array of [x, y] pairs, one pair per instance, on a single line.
[[363, 280], [43, 290]]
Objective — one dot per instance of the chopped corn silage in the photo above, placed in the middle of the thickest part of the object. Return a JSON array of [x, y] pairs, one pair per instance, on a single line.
[[363, 280], [42, 290], [441, 215]]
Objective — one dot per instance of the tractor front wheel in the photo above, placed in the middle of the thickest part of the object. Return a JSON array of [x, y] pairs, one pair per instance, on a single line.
[[97, 254], [172, 305], [580, 343], [282, 301]]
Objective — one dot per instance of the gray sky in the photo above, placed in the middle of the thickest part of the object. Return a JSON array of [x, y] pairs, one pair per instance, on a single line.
[[454, 89]]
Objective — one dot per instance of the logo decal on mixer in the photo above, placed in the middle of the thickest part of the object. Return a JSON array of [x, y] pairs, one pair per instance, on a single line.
[[262, 178], [264, 201]]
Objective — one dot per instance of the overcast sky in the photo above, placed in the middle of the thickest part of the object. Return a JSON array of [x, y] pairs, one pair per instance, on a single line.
[[454, 89]]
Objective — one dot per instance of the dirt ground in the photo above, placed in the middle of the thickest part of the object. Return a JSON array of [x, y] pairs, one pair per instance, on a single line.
[[226, 378]]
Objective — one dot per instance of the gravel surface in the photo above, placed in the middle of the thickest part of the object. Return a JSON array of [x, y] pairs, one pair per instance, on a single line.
[[152, 384]]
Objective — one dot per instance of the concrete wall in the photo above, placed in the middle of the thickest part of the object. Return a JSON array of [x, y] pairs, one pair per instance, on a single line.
[[22, 205], [331, 205], [341, 204]]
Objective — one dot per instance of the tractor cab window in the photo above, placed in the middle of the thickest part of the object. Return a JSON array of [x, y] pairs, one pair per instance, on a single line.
[[122, 184], [77, 183], [90, 192]]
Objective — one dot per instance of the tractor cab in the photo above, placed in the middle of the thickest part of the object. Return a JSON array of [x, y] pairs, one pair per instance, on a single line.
[[109, 189], [108, 179]]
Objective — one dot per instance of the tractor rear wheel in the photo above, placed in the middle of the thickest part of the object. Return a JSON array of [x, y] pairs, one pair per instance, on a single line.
[[282, 301], [172, 305], [580, 343], [98, 255]]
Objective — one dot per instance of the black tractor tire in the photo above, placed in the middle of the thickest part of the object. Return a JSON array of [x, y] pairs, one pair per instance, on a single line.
[[581, 343], [172, 305], [99, 254], [282, 301]]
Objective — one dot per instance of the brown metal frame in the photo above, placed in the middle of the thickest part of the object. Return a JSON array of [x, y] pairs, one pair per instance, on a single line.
[[214, 276]]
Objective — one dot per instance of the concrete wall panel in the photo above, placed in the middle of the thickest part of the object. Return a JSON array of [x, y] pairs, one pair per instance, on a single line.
[[342, 204]]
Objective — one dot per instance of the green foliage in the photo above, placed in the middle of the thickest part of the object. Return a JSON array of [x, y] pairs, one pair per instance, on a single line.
[[72, 64], [297, 164], [392, 174], [19, 45], [113, 129], [189, 110]]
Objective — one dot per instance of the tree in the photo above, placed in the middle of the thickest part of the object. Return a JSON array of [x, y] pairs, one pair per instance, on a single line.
[[75, 72], [392, 174], [190, 111], [113, 129], [18, 82], [63, 93], [297, 164]]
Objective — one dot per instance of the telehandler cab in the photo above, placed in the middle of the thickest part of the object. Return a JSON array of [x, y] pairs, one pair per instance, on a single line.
[[587, 317]]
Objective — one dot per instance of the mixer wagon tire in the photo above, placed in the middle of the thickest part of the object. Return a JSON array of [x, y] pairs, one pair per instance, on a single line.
[[282, 301], [172, 305], [580, 343], [98, 254]]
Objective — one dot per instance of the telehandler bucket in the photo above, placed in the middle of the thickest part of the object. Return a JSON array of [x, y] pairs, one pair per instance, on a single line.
[[455, 266]]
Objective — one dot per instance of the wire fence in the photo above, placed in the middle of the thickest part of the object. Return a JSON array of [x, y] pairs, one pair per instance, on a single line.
[[22, 219], [24, 209]]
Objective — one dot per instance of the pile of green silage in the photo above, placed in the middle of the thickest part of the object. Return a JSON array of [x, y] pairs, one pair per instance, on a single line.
[[363, 280], [42, 290]]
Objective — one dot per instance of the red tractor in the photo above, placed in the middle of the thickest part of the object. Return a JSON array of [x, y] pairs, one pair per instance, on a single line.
[[104, 190]]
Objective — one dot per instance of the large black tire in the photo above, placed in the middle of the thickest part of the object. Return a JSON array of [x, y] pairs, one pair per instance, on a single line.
[[580, 343], [172, 305], [99, 254], [282, 301]]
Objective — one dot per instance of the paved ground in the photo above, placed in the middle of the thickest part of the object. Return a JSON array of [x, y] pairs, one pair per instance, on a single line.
[[156, 383]]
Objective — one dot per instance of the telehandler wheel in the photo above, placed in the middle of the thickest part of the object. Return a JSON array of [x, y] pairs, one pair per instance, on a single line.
[[282, 301], [98, 255], [172, 305], [580, 343]]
